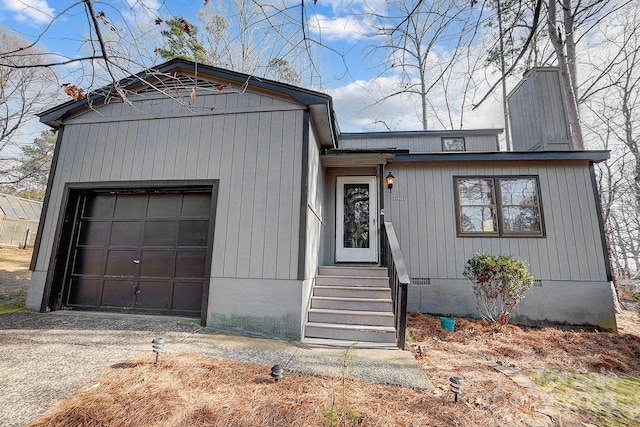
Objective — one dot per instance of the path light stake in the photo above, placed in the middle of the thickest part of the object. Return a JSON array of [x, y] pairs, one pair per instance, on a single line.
[[277, 372], [158, 346], [456, 386]]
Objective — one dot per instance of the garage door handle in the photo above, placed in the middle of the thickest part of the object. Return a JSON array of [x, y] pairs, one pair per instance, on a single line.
[[136, 261]]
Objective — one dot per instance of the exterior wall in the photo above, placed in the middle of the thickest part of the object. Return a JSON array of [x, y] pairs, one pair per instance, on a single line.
[[17, 232], [269, 307], [316, 221], [421, 141], [250, 142], [552, 302], [570, 258], [537, 112]]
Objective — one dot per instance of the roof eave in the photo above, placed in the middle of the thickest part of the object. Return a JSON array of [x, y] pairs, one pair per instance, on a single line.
[[53, 116], [595, 156]]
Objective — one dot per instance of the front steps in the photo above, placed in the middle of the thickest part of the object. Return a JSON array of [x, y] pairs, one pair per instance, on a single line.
[[351, 306]]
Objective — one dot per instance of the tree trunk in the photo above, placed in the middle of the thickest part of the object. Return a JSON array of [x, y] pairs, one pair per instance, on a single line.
[[563, 63], [503, 68]]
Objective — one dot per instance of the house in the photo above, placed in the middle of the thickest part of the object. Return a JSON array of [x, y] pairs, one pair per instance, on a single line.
[[239, 201], [18, 220]]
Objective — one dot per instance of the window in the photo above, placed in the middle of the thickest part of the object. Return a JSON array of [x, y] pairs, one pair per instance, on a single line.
[[499, 206], [453, 144]]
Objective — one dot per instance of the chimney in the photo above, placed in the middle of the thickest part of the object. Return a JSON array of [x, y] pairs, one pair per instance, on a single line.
[[537, 112]]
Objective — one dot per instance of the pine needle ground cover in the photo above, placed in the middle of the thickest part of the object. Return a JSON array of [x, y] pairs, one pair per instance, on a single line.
[[189, 390]]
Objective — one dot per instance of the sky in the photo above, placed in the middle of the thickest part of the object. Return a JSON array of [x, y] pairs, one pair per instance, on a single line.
[[350, 66]]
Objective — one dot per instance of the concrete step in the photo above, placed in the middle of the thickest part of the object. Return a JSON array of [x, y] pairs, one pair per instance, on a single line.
[[360, 281], [339, 270], [379, 334], [331, 343], [362, 304], [351, 317], [352, 292]]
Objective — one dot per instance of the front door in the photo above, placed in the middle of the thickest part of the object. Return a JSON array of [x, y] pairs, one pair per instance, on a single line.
[[356, 219]]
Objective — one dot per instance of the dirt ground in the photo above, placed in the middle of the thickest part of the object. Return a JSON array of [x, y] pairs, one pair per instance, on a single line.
[[14, 276], [506, 377]]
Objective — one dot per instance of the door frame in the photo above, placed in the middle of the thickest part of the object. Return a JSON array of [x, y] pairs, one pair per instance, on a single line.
[[367, 255], [65, 228]]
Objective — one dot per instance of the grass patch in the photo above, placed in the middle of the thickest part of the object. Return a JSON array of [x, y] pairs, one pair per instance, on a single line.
[[612, 400], [12, 304]]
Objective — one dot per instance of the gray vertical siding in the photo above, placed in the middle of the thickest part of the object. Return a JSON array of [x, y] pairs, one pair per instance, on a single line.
[[420, 142], [315, 209], [253, 152], [422, 209]]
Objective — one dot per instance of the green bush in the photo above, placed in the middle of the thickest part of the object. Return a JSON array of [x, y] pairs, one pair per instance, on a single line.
[[499, 283], [636, 297]]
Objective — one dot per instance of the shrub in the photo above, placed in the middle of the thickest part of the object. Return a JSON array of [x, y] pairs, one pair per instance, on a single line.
[[499, 283], [636, 297]]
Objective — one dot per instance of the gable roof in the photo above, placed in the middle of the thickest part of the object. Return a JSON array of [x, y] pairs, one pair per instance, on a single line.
[[320, 104]]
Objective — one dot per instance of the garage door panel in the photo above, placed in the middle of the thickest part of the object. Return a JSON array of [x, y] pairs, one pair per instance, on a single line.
[[154, 294], [84, 291], [124, 233], [196, 204], [99, 206], [88, 262], [187, 296], [157, 263], [130, 206], [193, 233], [190, 264], [159, 233], [163, 205], [118, 293], [94, 233], [121, 263]]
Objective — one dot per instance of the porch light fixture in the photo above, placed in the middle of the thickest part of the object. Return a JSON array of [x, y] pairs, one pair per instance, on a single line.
[[277, 373], [456, 386], [389, 181], [158, 346]]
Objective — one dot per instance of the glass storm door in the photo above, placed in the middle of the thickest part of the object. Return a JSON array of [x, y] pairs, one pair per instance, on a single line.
[[356, 219]]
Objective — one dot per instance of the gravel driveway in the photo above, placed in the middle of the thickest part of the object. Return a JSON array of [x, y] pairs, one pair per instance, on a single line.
[[47, 357]]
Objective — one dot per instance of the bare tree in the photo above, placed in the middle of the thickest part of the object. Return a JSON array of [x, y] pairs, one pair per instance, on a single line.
[[612, 111], [240, 38], [414, 34], [25, 90]]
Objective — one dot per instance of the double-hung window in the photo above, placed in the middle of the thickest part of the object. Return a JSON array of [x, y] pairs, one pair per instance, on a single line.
[[498, 206]]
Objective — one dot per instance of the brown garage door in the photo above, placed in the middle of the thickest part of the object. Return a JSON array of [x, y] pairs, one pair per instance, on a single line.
[[141, 252]]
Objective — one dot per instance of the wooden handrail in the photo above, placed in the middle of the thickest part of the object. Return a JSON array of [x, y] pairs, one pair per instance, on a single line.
[[398, 280]]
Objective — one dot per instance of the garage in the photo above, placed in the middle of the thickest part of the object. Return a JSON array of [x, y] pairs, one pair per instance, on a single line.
[[139, 251]]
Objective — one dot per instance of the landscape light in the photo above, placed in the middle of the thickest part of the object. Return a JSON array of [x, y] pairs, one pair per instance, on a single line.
[[277, 372], [158, 346], [456, 386]]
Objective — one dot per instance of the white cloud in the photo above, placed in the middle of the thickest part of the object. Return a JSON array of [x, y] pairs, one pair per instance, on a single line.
[[142, 12], [365, 105], [29, 11], [339, 28], [354, 6]]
